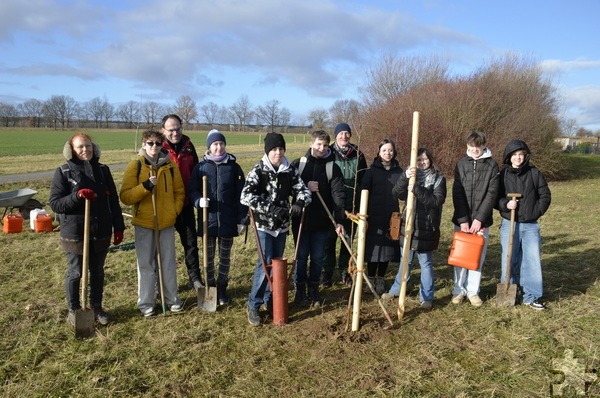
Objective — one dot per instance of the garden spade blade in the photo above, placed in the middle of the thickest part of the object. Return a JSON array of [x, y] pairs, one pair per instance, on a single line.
[[207, 298], [506, 294], [84, 323]]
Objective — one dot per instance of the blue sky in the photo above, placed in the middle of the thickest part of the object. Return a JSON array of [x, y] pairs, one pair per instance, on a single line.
[[306, 54]]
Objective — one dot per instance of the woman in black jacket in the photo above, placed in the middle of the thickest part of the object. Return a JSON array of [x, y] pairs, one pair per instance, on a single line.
[[83, 178], [430, 195], [379, 179]]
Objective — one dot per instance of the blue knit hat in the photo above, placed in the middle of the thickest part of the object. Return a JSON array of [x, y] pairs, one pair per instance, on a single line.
[[342, 127], [214, 135]]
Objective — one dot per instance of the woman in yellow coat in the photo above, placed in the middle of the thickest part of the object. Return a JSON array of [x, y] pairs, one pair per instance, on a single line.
[[154, 171]]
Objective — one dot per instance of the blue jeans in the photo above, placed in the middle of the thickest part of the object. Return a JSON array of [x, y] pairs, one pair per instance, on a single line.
[[466, 281], [427, 285], [272, 247], [526, 265], [311, 243]]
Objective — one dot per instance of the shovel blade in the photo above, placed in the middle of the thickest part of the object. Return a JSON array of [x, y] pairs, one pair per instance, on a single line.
[[85, 324], [506, 294], [207, 299]]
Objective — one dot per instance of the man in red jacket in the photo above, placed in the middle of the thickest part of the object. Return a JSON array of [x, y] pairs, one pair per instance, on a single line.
[[184, 154]]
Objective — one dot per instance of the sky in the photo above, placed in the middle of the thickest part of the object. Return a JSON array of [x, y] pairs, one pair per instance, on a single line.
[[305, 54]]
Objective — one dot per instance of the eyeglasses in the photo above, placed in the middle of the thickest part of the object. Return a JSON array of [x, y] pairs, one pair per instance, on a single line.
[[152, 143], [177, 130]]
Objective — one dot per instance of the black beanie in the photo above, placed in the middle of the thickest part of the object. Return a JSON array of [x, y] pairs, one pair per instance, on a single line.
[[274, 140], [342, 127]]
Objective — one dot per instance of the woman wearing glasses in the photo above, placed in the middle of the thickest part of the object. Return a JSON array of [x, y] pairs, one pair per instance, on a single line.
[[152, 184]]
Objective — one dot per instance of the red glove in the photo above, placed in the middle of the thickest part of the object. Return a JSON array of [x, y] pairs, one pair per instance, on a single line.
[[87, 193], [118, 237]]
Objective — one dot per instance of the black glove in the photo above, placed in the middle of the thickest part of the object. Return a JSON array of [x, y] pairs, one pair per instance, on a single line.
[[148, 185], [297, 208]]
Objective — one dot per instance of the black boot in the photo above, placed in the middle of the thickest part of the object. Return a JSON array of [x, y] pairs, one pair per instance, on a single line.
[[315, 297], [222, 297], [327, 279], [300, 298]]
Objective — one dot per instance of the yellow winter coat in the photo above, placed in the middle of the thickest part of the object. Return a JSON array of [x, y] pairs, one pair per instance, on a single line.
[[170, 192]]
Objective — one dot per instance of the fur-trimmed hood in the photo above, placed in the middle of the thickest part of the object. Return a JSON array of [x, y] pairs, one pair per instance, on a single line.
[[68, 150]]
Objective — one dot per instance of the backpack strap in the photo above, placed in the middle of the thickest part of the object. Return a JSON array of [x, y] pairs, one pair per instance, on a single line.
[[66, 171], [328, 168]]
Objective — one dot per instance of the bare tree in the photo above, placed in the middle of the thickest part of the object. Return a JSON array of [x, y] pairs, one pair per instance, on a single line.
[[345, 110], [393, 76], [8, 115], [61, 109], [185, 107], [93, 110], [211, 113], [152, 112], [33, 110], [242, 111], [272, 115], [129, 113], [318, 118], [108, 111]]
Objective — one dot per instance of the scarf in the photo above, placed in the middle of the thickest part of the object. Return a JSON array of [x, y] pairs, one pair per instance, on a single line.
[[216, 159], [344, 152], [426, 178]]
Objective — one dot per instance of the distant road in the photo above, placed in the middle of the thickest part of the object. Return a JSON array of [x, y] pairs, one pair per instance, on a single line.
[[47, 175]]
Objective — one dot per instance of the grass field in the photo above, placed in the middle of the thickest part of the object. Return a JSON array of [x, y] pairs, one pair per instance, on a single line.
[[32, 150], [452, 351]]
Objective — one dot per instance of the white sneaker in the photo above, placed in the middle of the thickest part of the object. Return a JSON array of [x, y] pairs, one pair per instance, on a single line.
[[387, 296], [148, 312], [177, 307], [457, 298], [475, 301]]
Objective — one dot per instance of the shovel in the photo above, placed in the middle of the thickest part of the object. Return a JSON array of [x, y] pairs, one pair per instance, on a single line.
[[207, 295], [84, 317], [161, 286], [506, 293]]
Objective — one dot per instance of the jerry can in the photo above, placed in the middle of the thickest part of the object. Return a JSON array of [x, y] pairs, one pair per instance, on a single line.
[[43, 223], [33, 216], [466, 250], [12, 223]]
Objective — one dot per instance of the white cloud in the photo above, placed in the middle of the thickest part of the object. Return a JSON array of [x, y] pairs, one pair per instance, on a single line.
[[583, 103], [557, 65], [176, 45]]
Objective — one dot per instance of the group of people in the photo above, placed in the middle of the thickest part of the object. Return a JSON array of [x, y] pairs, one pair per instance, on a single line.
[[311, 196]]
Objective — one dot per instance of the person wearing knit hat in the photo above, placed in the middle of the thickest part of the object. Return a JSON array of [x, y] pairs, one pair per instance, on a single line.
[[215, 135], [274, 140], [353, 164], [227, 217], [269, 185], [342, 127]]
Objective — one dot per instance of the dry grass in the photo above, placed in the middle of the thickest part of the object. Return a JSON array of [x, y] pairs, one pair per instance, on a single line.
[[452, 351]]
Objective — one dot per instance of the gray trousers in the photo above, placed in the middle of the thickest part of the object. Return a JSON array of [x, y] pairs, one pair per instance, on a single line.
[[147, 267]]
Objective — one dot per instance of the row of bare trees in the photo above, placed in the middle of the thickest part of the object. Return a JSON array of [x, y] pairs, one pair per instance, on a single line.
[[62, 111]]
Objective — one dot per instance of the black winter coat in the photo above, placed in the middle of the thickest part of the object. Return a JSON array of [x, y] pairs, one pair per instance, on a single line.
[[224, 184], [428, 214], [380, 182], [105, 210], [332, 192], [475, 190], [526, 180]]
